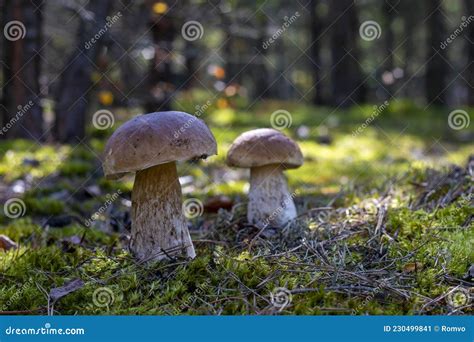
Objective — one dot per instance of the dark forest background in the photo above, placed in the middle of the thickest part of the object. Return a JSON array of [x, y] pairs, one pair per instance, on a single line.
[[144, 61]]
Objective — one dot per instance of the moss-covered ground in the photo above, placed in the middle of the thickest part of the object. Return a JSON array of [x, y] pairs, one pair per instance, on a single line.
[[385, 225]]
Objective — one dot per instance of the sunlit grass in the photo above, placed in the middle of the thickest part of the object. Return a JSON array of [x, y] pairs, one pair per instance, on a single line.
[[20, 158], [403, 140]]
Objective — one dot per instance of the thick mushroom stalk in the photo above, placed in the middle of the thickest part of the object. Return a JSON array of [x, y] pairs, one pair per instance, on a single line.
[[270, 202], [159, 228], [149, 145], [267, 152]]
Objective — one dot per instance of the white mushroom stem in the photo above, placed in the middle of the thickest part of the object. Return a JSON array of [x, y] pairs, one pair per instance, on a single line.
[[270, 202], [159, 228]]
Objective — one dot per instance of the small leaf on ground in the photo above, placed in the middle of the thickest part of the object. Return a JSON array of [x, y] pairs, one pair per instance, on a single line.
[[470, 273], [6, 243], [59, 292], [213, 204], [412, 267]]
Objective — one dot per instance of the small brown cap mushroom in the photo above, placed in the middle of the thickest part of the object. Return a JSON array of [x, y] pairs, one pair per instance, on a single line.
[[262, 147], [154, 139]]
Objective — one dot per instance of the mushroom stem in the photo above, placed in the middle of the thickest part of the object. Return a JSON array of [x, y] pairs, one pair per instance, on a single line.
[[159, 228], [270, 202]]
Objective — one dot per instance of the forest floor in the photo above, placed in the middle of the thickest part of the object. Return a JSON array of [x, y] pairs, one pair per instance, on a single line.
[[385, 223]]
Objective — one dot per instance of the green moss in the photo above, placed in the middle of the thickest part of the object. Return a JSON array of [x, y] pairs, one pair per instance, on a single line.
[[235, 271], [44, 206], [75, 168], [438, 241], [20, 158]]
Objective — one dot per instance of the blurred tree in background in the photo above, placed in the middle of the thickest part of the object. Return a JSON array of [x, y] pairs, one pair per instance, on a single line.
[[75, 59], [75, 81], [375, 93], [21, 67]]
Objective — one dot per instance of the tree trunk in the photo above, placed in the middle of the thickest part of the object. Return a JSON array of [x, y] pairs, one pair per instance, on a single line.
[[191, 54], [73, 92], [160, 80], [260, 72], [228, 50], [316, 38], [132, 28], [346, 76], [22, 114], [469, 5], [409, 12], [436, 67], [389, 9]]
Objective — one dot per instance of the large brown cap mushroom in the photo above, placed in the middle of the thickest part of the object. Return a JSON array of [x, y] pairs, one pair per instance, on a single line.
[[157, 138], [264, 146], [267, 152], [150, 145]]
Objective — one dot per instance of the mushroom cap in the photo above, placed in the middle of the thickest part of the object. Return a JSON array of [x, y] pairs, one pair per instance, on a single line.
[[264, 146], [154, 139]]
